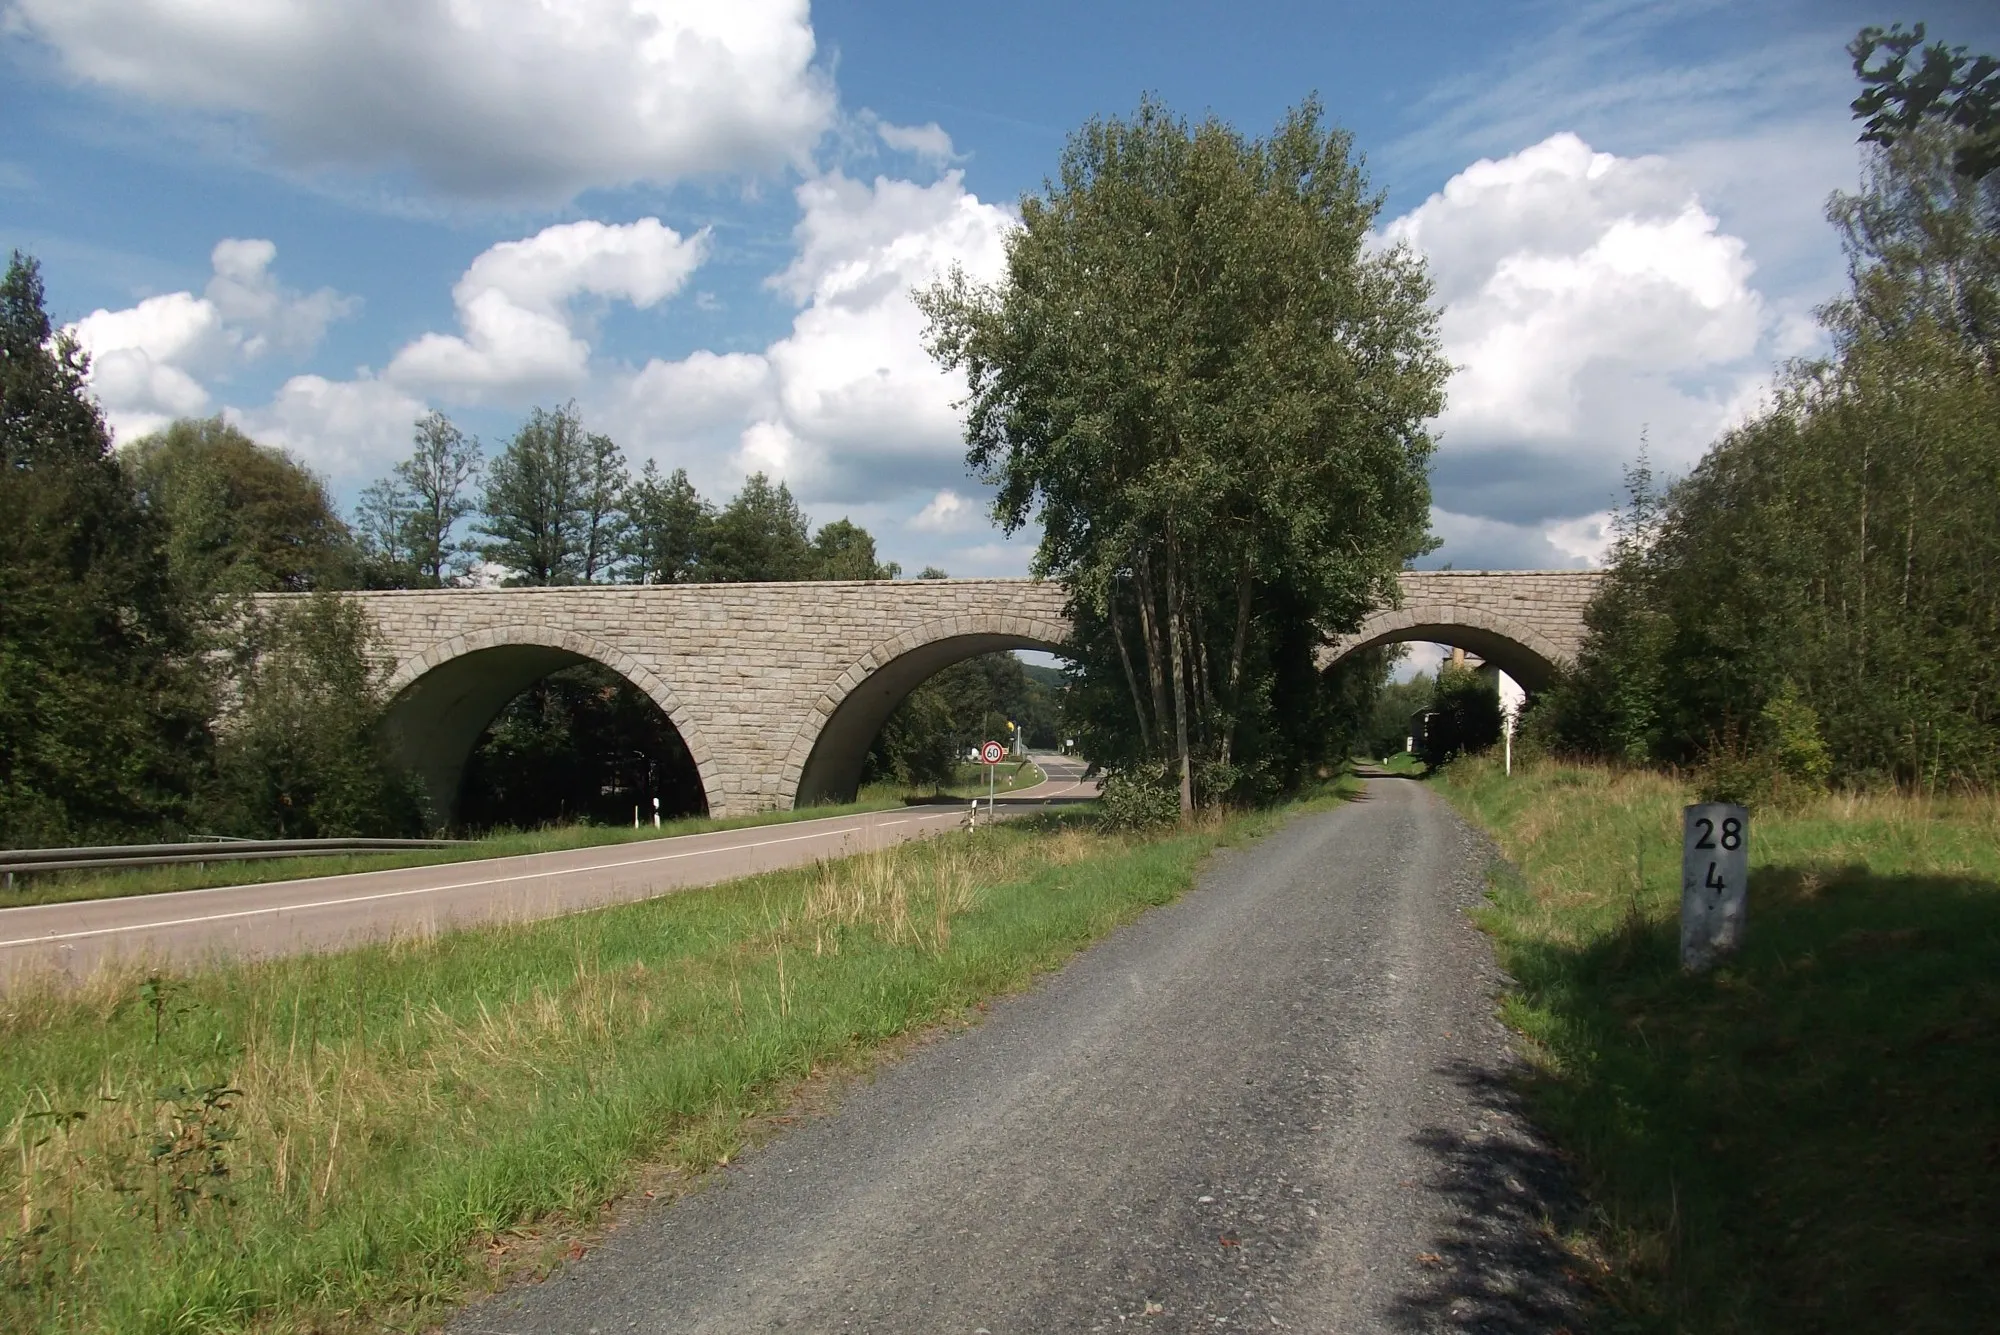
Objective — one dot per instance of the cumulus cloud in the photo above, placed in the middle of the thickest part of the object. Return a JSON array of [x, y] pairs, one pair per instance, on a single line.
[[505, 99], [514, 306], [149, 361], [1587, 298], [947, 512], [847, 405], [345, 428]]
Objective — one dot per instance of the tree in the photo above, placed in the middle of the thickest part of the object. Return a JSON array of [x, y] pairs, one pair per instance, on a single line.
[[541, 504], [1950, 86], [760, 535], [408, 522], [605, 483], [1210, 389], [240, 517], [1820, 592], [303, 756], [845, 550], [668, 532], [103, 711]]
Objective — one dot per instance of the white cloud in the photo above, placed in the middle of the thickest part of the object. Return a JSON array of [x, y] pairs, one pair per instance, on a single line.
[[503, 99], [514, 306], [148, 361], [848, 404], [947, 512], [248, 297], [343, 428], [927, 142], [1588, 299]]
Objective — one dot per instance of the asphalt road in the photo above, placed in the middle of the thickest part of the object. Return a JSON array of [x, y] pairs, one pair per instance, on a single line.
[[328, 912], [1276, 1104]]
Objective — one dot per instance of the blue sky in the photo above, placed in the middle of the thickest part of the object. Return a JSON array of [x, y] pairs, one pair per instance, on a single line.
[[702, 221]]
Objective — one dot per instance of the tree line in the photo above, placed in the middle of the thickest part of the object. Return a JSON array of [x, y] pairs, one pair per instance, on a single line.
[[143, 694], [1819, 599]]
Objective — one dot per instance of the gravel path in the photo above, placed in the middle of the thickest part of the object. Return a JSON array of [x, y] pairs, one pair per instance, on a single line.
[[1274, 1105]]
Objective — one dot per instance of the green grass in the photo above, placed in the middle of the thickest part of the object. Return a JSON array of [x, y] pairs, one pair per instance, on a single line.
[[1807, 1138], [1403, 763], [66, 887], [397, 1115]]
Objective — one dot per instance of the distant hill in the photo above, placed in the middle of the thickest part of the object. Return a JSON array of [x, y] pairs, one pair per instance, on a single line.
[[1047, 676]]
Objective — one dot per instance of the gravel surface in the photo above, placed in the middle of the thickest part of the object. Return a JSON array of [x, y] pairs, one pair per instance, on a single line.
[[1277, 1104]]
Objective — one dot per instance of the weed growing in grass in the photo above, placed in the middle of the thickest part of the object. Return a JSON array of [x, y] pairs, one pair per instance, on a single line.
[[325, 1142], [1805, 1139]]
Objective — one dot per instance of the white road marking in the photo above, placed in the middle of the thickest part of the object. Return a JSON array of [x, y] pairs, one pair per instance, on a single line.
[[455, 885]]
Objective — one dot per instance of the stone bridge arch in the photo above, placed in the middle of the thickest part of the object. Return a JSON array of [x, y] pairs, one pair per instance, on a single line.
[[1527, 623], [826, 757], [442, 699]]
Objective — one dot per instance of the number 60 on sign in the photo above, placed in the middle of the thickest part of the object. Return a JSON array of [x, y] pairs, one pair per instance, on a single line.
[[1715, 878]]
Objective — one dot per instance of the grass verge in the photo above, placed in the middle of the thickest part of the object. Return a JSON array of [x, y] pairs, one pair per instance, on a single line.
[[341, 1141], [67, 887], [1807, 1138]]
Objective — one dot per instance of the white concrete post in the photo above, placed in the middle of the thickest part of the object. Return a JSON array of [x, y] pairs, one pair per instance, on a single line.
[[1715, 880]]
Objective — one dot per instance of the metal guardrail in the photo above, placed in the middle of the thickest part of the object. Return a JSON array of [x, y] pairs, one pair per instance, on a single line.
[[21, 861]]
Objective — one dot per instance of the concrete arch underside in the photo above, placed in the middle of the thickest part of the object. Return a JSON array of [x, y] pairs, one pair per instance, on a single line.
[[1518, 649], [829, 751], [443, 699]]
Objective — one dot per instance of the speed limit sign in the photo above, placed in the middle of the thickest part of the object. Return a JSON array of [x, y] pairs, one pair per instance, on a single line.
[[991, 753]]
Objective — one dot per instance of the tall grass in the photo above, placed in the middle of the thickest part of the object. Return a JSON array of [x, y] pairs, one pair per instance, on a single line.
[[1807, 1138], [345, 1140]]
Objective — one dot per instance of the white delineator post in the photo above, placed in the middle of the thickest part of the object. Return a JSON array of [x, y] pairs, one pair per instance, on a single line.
[[1715, 881]]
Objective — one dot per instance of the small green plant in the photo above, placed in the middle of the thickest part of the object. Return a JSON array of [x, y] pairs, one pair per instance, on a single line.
[[189, 1155], [1790, 727]]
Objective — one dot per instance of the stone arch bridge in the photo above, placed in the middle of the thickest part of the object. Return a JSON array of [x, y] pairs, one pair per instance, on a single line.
[[778, 689]]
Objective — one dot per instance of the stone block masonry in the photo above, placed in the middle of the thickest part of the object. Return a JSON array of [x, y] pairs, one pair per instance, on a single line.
[[778, 689]]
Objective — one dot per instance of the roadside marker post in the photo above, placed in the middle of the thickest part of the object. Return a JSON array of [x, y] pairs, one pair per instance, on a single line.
[[1715, 881]]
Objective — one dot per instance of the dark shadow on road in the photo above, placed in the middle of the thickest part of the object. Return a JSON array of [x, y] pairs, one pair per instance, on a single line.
[[1498, 1268]]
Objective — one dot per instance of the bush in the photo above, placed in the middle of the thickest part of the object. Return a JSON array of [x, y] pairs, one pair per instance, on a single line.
[[1145, 797], [1464, 718]]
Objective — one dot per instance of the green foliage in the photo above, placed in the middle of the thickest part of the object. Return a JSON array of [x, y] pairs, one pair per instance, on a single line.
[[1846, 541], [760, 535], [844, 550], [669, 529], [1463, 718], [1794, 740], [1391, 716], [1144, 797], [407, 523], [1949, 85], [302, 756], [552, 504], [957, 709], [240, 517], [102, 709], [1210, 392]]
